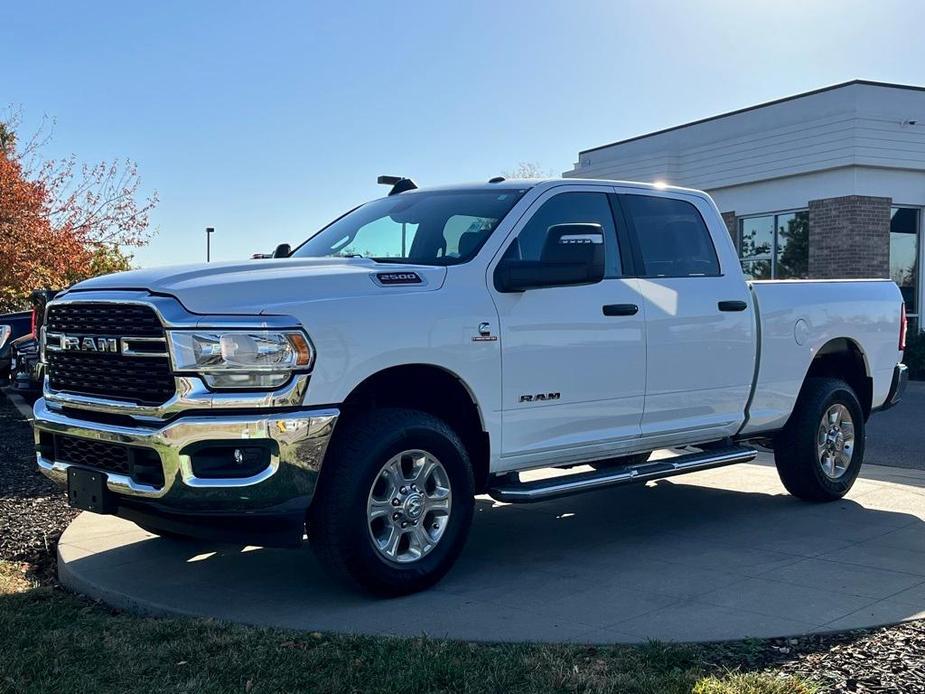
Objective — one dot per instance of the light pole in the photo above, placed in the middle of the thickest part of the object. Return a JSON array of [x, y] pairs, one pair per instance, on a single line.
[[209, 232]]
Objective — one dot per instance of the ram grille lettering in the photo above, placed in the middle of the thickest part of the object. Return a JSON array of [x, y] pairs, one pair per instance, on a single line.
[[126, 346], [70, 343]]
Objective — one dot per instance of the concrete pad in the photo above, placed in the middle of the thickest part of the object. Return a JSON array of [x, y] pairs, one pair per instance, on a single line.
[[700, 621], [723, 554]]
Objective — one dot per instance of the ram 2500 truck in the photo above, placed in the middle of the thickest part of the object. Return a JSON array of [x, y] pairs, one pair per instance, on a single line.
[[430, 345]]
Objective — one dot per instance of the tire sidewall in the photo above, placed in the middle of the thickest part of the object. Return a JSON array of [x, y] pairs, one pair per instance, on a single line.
[[365, 558], [841, 394]]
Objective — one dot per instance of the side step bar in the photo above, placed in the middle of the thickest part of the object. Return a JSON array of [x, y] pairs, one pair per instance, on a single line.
[[510, 490]]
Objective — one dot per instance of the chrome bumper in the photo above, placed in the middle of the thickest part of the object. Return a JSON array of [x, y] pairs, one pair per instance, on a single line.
[[302, 438], [191, 394]]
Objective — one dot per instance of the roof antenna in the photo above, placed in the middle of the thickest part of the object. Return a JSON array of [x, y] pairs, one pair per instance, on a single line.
[[399, 184]]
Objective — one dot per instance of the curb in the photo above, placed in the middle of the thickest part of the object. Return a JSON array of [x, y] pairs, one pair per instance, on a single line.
[[74, 582]]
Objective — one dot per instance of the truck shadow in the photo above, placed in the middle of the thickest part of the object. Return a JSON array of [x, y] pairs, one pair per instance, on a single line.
[[673, 543]]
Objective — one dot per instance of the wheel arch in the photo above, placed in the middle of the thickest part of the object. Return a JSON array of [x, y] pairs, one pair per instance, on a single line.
[[433, 389], [844, 358]]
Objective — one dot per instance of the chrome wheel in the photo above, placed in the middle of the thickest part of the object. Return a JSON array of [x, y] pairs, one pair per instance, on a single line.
[[835, 441], [409, 506]]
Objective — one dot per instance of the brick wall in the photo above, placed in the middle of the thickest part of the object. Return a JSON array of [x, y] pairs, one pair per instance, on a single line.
[[732, 226], [849, 237]]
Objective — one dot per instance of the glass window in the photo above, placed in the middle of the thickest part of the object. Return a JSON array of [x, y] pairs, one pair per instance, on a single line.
[[756, 247], [904, 254], [568, 208], [428, 227], [381, 238], [791, 260], [775, 246], [673, 239], [463, 232]]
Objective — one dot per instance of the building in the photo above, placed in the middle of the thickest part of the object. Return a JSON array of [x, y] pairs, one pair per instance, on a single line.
[[830, 183]]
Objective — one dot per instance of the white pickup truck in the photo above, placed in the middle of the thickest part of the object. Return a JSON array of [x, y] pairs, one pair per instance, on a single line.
[[428, 346]]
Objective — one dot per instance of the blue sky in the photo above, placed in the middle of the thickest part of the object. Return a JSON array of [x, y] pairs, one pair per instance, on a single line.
[[266, 120]]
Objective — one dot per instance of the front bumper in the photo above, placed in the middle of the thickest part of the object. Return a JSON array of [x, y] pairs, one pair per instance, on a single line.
[[283, 489]]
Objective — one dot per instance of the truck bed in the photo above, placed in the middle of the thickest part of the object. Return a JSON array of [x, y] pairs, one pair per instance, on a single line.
[[797, 318]]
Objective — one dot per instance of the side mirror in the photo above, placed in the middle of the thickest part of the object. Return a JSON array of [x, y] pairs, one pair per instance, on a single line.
[[283, 250], [573, 254]]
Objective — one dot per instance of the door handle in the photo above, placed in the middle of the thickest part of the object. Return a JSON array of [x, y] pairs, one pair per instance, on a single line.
[[732, 305], [620, 309]]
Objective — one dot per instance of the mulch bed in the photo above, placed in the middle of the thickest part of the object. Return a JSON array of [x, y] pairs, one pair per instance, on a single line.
[[34, 513], [33, 510], [889, 659]]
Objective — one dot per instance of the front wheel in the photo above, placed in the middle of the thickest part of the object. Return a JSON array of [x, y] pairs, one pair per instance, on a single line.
[[394, 502], [820, 451]]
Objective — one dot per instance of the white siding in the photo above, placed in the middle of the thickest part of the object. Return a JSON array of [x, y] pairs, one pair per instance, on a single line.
[[855, 139]]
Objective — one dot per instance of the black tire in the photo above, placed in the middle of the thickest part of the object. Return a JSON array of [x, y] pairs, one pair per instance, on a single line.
[[338, 529], [795, 447], [622, 461]]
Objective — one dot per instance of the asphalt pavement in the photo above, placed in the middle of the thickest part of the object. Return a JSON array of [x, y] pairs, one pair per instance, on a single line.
[[897, 437]]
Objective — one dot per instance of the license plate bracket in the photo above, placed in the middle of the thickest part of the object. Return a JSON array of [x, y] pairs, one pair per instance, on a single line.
[[86, 490]]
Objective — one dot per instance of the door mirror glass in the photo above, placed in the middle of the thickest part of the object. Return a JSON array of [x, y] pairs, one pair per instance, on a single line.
[[572, 254], [283, 250]]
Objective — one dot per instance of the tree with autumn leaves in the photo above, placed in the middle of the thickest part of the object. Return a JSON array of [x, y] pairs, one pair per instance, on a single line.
[[61, 221]]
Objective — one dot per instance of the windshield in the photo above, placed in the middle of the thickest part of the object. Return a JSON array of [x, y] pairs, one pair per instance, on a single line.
[[428, 228]]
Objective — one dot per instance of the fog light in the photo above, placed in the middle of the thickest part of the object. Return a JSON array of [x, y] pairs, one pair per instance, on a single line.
[[220, 461]]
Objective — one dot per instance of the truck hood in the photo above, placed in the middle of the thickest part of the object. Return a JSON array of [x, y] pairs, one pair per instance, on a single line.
[[265, 286]]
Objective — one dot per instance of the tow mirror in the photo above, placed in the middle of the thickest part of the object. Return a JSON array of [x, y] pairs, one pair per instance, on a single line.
[[283, 250], [573, 254]]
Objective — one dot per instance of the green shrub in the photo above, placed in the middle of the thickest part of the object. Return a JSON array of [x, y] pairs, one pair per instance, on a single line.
[[914, 357]]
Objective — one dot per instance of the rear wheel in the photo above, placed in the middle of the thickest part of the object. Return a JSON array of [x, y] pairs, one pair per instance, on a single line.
[[395, 501], [820, 451]]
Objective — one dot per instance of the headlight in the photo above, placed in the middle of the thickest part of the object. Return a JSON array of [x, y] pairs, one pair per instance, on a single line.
[[240, 358]]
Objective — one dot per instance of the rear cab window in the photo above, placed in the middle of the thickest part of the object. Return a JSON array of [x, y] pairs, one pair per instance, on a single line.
[[672, 237]]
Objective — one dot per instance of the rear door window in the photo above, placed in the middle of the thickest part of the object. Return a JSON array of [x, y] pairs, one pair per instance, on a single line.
[[673, 238]]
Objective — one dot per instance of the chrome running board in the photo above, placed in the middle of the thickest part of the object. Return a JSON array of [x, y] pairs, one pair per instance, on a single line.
[[509, 489]]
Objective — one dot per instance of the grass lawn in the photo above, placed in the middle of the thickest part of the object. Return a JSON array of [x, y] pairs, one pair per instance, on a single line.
[[51, 641]]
